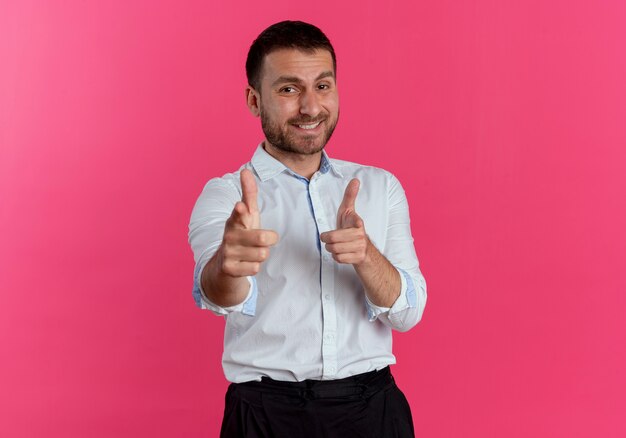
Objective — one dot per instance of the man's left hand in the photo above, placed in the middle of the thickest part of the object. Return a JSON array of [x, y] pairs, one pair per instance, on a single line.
[[348, 243]]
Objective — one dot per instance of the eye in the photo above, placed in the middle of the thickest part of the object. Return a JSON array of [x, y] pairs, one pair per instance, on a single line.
[[288, 90], [323, 87]]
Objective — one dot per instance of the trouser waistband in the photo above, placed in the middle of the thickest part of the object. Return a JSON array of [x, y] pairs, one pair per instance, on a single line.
[[360, 385]]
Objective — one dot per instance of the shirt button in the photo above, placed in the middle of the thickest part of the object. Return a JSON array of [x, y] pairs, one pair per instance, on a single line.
[[327, 297], [320, 220]]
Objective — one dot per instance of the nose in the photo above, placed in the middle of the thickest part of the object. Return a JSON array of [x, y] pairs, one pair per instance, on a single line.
[[309, 103]]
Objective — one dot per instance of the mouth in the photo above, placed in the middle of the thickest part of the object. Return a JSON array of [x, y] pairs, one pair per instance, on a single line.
[[308, 126]]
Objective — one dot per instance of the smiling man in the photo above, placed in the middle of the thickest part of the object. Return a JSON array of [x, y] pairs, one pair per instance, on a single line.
[[310, 260]]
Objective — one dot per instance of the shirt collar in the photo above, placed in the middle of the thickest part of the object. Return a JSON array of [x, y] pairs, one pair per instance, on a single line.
[[267, 167]]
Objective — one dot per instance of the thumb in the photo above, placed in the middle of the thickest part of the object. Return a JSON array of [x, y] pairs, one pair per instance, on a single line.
[[249, 191], [351, 219], [349, 196], [346, 208]]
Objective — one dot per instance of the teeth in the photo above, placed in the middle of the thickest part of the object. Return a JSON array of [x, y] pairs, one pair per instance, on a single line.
[[313, 126]]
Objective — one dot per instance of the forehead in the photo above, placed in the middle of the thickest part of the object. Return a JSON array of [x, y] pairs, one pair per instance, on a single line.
[[297, 63]]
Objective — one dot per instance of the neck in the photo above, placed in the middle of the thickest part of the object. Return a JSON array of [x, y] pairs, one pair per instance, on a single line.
[[303, 164]]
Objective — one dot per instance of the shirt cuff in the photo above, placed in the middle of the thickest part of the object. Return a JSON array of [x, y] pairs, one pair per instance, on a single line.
[[406, 299], [247, 307]]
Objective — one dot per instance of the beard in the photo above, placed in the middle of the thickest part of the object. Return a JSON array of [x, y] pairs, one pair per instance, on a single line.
[[282, 139]]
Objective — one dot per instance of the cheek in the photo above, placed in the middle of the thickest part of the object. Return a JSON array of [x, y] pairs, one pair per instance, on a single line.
[[281, 113], [332, 104]]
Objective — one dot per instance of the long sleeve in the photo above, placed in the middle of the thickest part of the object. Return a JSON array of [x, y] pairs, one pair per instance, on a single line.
[[206, 229], [408, 308]]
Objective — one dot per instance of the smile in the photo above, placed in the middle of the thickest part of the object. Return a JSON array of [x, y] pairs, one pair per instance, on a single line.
[[311, 126]]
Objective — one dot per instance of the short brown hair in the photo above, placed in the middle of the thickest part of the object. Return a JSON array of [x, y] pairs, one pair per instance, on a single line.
[[284, 35]]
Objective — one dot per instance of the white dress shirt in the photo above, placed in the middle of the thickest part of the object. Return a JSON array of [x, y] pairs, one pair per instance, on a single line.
[[307, 316]]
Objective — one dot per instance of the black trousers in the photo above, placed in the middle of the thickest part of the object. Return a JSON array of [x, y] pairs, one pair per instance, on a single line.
[[366, 405]]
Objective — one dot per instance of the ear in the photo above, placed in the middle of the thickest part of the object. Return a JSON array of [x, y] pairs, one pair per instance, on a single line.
[[253, 100]]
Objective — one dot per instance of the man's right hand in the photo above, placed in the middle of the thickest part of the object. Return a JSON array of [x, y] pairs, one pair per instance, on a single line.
[[245, 246]]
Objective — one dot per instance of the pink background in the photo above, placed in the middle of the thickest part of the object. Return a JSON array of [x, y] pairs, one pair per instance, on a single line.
[[504, 120]]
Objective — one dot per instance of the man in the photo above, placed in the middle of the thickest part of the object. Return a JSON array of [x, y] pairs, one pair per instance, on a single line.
[[310, 260]]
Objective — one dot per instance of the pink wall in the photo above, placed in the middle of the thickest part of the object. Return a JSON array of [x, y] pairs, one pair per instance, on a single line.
[[504, 120]]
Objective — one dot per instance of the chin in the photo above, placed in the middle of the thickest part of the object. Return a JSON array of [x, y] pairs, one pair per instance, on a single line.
[[300, 147], [309, 150]]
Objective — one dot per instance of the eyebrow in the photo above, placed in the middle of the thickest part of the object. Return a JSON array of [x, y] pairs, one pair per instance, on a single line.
[[296, 80]]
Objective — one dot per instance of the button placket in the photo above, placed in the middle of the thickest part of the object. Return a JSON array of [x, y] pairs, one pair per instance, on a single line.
[[329, 314]]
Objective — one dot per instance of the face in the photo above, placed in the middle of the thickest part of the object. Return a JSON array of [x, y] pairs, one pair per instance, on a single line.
[[298, 101]]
